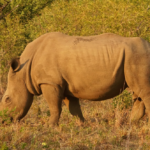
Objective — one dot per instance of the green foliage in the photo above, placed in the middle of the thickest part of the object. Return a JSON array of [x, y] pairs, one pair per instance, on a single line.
[[29, 9], [32, 18], [25, 10], [4, 147], [15, 33], [5, 115], [122, 101], [22, 129], [48, 113], [90, 18], [24, 145]]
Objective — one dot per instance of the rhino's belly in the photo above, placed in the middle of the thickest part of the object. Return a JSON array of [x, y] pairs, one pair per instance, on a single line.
[[97, 91]]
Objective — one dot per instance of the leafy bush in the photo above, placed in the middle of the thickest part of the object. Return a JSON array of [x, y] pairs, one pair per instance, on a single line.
[[122, 101], [4, 115], [14, 17], [4, 146]]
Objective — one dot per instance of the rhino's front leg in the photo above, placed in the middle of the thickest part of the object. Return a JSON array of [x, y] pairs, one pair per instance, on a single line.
[[74, 107], [53, 96]]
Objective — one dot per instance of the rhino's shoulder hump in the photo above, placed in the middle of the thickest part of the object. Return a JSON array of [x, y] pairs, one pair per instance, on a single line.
[[44, 36]]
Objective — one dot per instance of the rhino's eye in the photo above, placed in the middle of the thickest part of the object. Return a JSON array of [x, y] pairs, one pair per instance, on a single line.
[[7, 99]]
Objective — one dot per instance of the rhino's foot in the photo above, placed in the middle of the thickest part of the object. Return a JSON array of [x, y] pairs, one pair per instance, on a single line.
[[52, 125], [81, 121], [53, 121]]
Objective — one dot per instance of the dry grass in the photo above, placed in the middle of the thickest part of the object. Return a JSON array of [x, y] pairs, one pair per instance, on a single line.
[[106, 128]]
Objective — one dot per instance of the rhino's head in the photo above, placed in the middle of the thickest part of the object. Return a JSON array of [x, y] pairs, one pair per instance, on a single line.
[[17, 99]]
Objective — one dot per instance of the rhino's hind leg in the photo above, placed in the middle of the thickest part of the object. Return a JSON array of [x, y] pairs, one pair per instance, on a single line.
[[146, 100], [53, 96], [138, 109], [74, 107]]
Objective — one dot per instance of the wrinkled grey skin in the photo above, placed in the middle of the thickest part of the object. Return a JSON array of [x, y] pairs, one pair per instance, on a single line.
[[69, 68]]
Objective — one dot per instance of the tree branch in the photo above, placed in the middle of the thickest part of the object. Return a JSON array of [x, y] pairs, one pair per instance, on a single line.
[[2, 16], [4, 6]]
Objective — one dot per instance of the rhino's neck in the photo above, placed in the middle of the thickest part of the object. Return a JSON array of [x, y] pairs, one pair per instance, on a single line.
[[26, 59], [28, 79]]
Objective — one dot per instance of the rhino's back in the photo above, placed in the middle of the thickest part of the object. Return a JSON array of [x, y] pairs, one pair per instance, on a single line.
[[92, 67]]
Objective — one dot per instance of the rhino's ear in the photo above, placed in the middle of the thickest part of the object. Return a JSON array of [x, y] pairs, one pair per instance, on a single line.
[[15, 64]]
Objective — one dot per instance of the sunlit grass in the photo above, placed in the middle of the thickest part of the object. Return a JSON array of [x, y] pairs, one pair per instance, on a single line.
[[101, 130]]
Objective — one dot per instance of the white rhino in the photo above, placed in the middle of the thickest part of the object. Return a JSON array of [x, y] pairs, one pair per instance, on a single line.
[[69, 68]]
